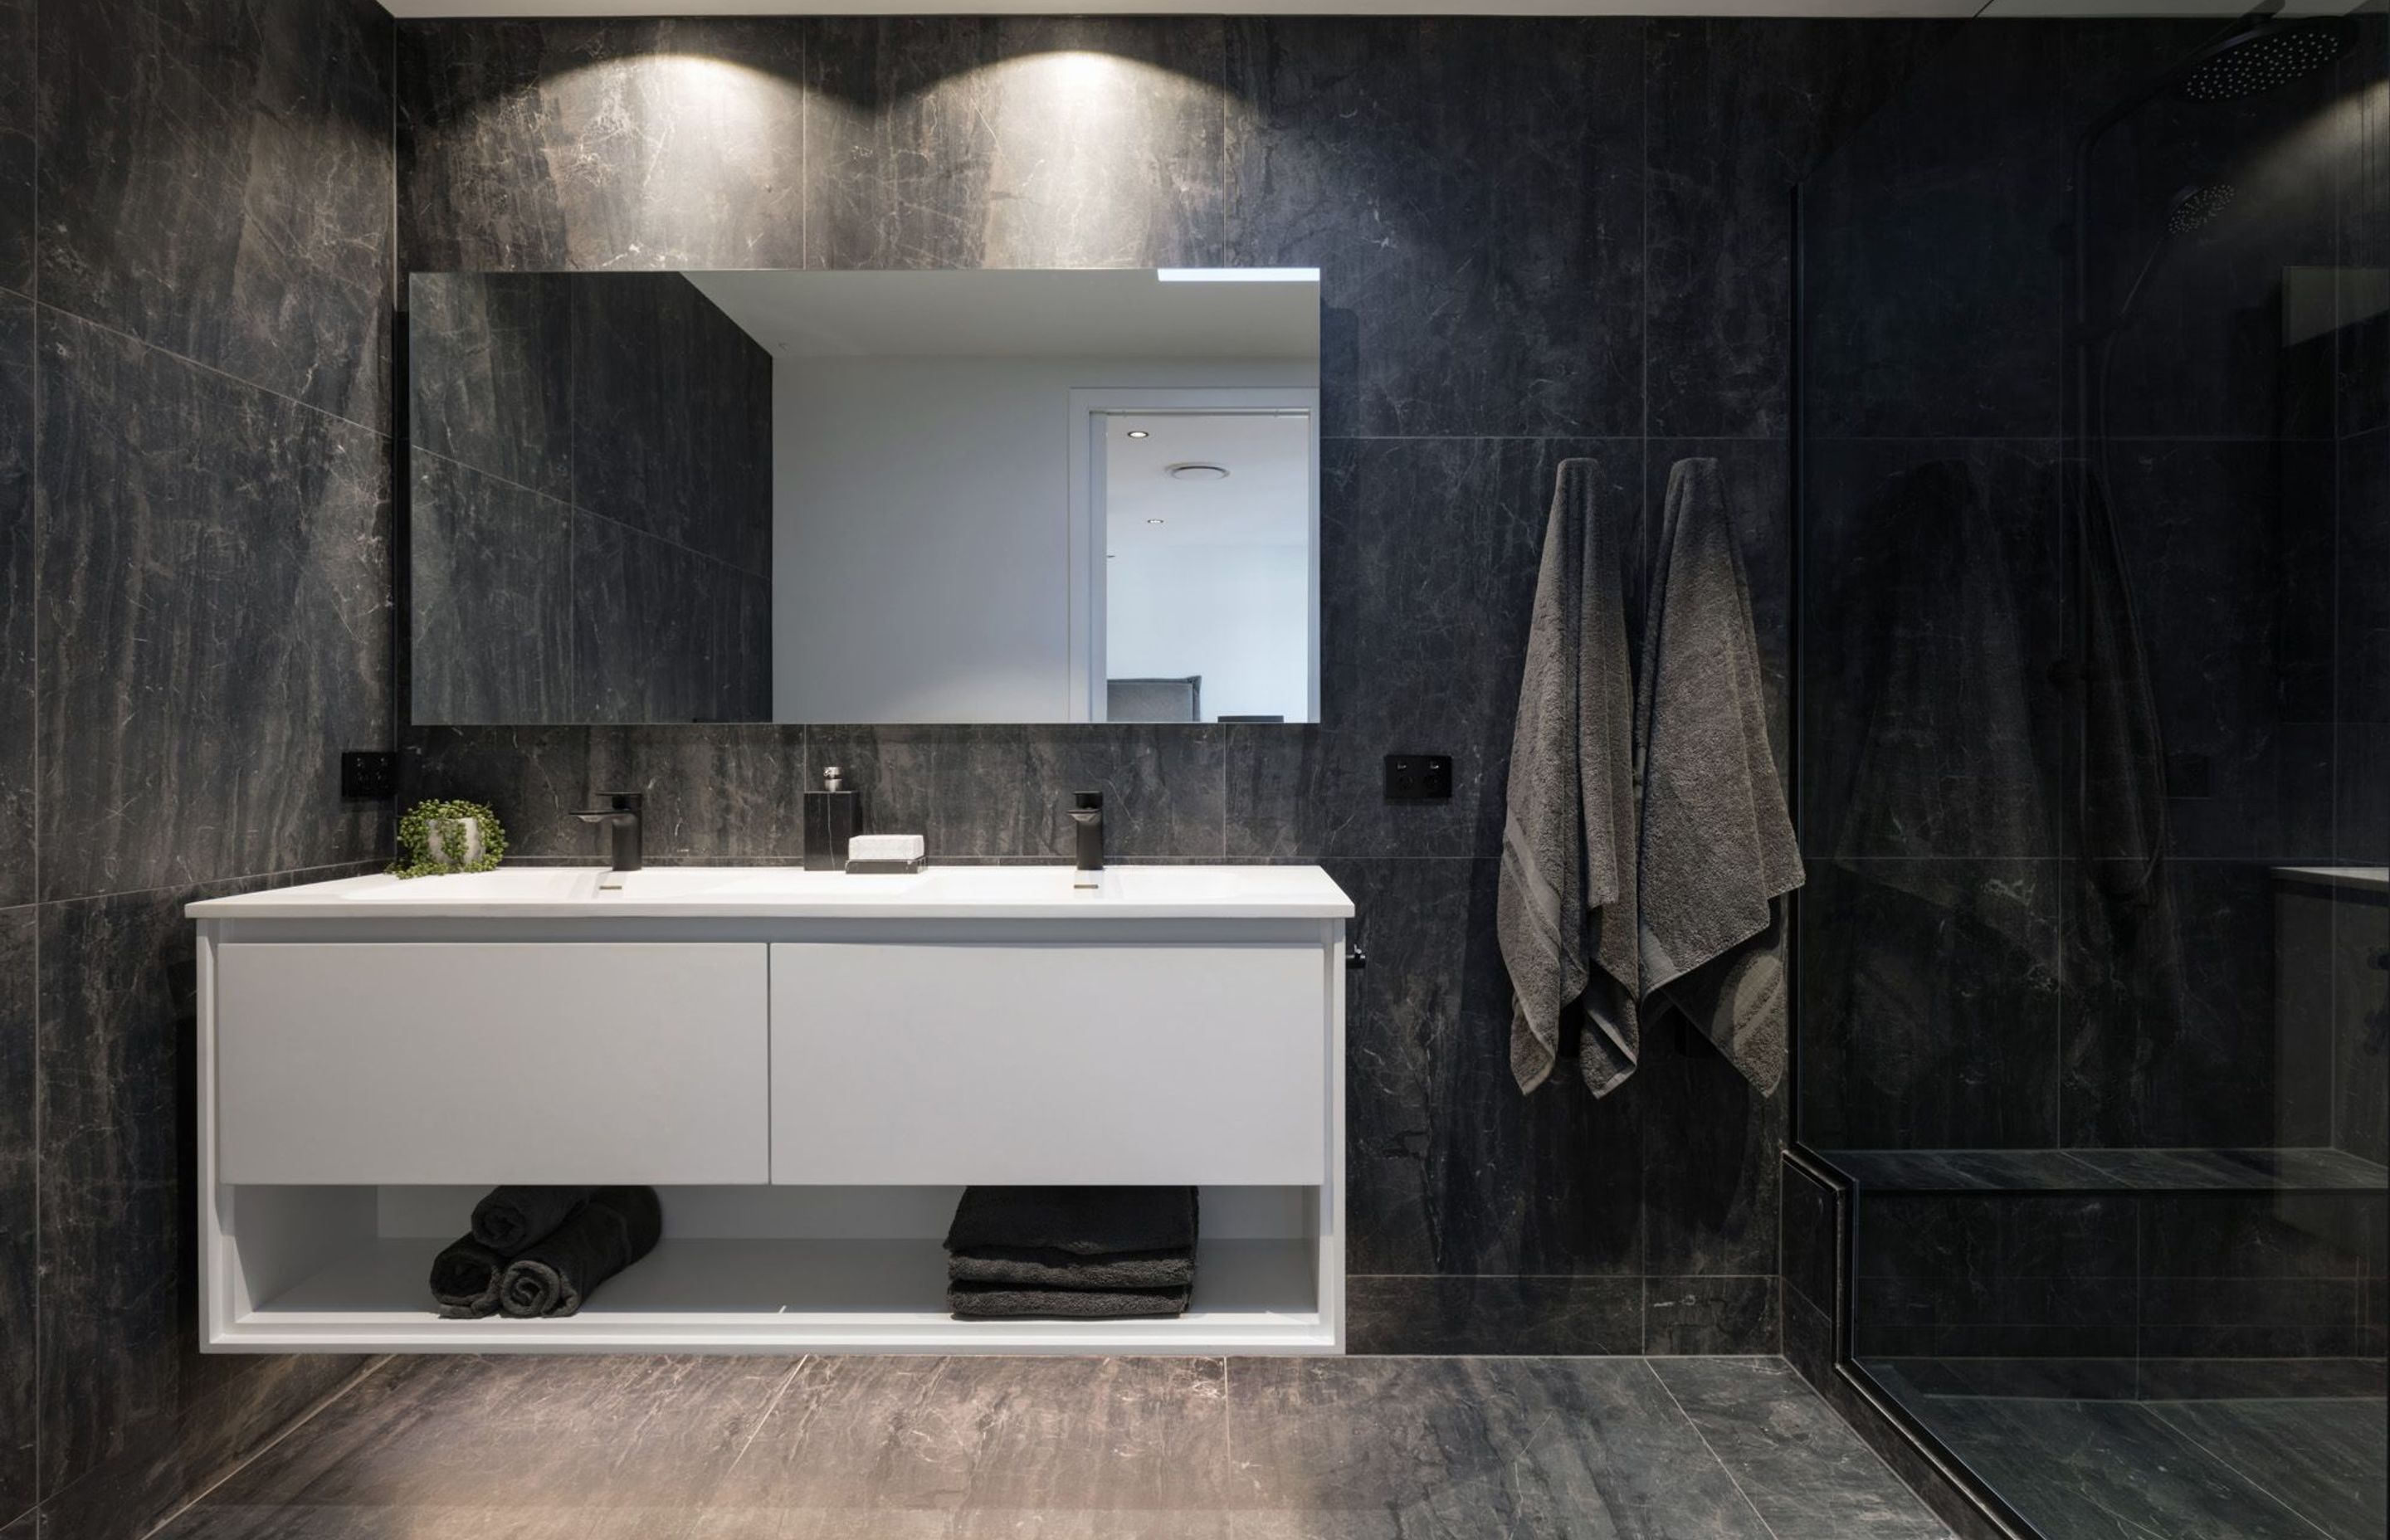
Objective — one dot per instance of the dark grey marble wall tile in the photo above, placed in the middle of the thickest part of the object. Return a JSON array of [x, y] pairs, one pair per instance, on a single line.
[[2364, 201], [742, 647], [493, 602], [719, 795], [16, 619], [1978, 1274], [671, 416], [1932, 596], [2361, 799], [532, 778], [1710, 1158], [2170, 1035], [2306, 1031], [2361, 1119], [1448, 1168], [489, 364], [1015, 142], [215, 179], [19, 1260], [643, 630], [1808, 1339], [1807, 1473], [1428, 560], [1472, 190], [214, 626], [1384, 1447], [615, 144], [1930, 1004], [1934, 295], [1739, 111], [17, 72], [2228, 551], [1483, 1313], [1710, 1314], [1811, 1247], [996, 793]]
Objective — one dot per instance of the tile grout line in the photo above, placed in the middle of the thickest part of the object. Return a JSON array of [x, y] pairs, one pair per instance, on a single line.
[[1719, 1460], [226, 375]]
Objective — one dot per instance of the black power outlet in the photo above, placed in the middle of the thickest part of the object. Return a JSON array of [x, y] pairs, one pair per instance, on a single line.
[[373, 774], [1418, 777]]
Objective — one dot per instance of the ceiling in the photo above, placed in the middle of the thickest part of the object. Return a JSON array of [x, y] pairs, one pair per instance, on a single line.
[[1265, 501], [1340, 8], [991, 313]]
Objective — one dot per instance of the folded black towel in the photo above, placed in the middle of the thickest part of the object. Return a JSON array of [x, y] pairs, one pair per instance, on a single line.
[[1005, 1301], [465, 1279], [615, 1229], [1040, 1269], [511, 1218], [1082, 1220]]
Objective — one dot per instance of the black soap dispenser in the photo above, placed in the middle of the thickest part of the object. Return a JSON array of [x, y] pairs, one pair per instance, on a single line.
[[829, 823]]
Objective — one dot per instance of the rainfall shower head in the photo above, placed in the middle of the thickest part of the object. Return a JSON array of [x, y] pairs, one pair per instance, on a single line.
[[2196, 207], [2263, 56]]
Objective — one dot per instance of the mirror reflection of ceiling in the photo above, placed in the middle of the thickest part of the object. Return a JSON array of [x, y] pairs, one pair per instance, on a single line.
[[1950, 9], [1127, 313], [1264, 500]]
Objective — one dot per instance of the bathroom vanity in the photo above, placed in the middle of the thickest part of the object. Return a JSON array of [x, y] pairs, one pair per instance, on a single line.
[[810, 1066]]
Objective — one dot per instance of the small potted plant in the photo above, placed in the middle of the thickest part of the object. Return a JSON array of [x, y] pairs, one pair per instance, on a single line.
[[440, 838]]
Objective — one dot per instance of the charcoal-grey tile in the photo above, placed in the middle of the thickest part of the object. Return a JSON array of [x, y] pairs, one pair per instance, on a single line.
[[671, 417], [1741, 111], [580, 144], [17, 617], [1481, 1313], [1472, 191], [1811, 1248], [2360, 930], [1708, 1160], [2322, 1459], [2260, 1379], [489, 362], [492, 599], [1803, 1469], [712, 795], [643, 631], [533, 778], [1418, 1447], [216, 181], [17, 177], [1449, 1168], [1165, 789], [1710, 1313], [1808, 1337], [1427, 562], [202, 741], [966, 791], [19, 1400], [1014, 142], [970, 1446]]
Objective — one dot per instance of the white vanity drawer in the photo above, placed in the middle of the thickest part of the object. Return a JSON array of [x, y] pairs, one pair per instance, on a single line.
[[1035, 1062], [460, 1062]]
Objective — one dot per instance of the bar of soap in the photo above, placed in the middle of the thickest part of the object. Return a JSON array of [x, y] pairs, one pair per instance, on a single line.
[[885, 847]]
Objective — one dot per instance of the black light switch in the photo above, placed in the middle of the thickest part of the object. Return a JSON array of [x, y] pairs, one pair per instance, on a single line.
[[371, 774], [1418, 777]]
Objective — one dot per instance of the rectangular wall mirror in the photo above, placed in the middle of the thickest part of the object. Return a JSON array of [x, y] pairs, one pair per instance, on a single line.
[[863, 497]]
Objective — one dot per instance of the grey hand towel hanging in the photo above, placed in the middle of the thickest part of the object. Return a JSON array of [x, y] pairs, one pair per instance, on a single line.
[[1564, 910], [1716, 846]]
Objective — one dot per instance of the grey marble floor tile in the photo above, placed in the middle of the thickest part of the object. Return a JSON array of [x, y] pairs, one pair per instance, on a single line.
[[1361, 1449], [901, 1445], [1800, 1465], [2325, 1459]]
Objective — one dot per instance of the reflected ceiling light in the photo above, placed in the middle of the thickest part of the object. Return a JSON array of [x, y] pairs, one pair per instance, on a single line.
[[1138, 433], [1237, 274], [1153, 520], [1193, 470]]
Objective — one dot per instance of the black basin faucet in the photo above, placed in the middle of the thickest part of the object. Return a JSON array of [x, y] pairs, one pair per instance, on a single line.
[[1087, 813], [620, 814]]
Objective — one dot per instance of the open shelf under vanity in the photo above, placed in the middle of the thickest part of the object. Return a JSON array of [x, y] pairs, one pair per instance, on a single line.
[[741, 1269]]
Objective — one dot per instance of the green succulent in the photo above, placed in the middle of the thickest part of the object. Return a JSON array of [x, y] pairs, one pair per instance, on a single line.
[[418, 831]]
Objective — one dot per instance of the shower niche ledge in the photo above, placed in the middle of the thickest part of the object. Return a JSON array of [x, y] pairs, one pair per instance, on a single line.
[[808, 1068]]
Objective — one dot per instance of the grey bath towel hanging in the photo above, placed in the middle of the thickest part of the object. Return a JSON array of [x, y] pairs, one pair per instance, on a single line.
[[1565, 912], [1716, 846]]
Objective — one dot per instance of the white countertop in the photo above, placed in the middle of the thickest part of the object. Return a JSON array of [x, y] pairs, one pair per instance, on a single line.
[[765, 893]]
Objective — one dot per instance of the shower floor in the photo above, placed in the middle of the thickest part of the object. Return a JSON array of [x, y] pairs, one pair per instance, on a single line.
[[2220, 1450], [905, 1448]]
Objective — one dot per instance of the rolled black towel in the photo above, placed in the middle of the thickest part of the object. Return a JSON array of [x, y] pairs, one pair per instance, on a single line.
[[465, 1279], [1005, 1301], [615, 1229], [1082, 1220], [1039, 1268], [511, 1218]]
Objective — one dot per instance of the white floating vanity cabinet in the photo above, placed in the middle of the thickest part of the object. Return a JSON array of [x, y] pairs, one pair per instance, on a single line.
[[809, 1066]]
